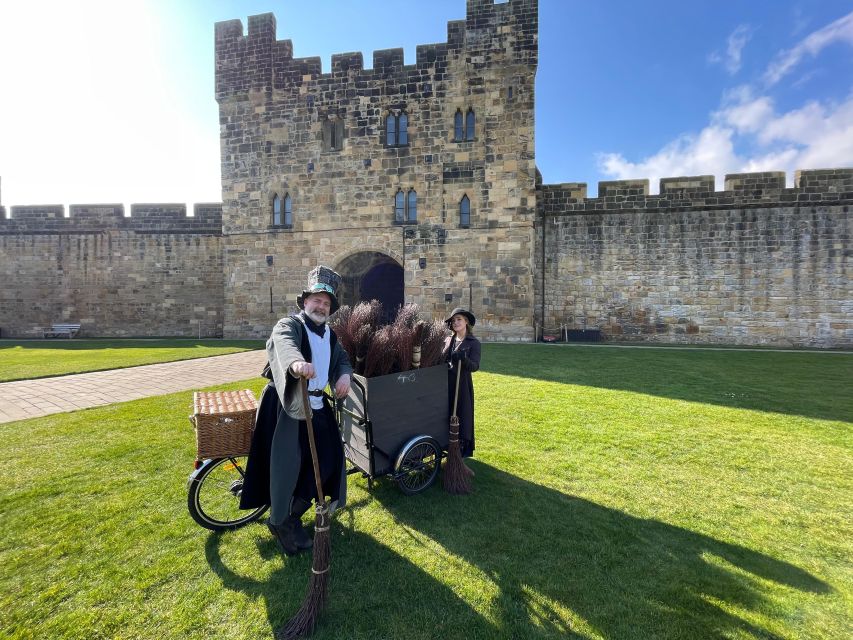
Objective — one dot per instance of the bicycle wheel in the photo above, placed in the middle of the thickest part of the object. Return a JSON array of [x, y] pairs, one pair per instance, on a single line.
[[417, 465], [213, 497]]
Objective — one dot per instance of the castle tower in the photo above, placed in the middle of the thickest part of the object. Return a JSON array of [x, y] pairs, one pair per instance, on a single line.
[[416, 182]]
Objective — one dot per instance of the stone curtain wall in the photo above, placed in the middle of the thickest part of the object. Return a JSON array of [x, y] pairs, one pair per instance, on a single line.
[[155, 273], [755, 264], [276, 112], [264, 293]]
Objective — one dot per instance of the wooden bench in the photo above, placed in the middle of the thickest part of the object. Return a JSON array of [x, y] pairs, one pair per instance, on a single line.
[[62, 331]]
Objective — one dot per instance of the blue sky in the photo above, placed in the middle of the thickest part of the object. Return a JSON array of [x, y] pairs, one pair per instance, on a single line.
[[113, 102]]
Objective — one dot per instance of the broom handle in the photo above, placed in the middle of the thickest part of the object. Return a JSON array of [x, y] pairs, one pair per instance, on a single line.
[[456, 394], [307, 406]]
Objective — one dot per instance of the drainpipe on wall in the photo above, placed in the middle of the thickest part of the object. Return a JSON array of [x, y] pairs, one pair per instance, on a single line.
[[542, 293]]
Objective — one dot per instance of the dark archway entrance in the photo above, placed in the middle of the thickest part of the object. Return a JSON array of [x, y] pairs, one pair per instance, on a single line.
[[371, 275]]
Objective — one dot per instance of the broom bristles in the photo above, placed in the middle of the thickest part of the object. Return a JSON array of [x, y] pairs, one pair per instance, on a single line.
[[303, 623], [432, 343], [456, 477], [380, 355], [343, 328]]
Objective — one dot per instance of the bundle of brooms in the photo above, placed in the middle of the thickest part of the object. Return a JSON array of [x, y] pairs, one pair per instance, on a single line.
[[377, 350]]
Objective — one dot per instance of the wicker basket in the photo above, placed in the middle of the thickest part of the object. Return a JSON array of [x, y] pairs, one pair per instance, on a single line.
[[224, 422]]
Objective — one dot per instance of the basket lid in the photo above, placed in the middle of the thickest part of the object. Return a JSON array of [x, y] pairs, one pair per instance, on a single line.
[[222, 402]]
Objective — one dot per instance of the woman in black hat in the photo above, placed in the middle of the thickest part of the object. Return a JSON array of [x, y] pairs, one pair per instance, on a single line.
[[462, 350]]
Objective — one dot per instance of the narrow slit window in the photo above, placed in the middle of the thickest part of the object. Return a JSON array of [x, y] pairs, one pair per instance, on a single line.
[[276, 210], [399, 207], [391, 130], [403, 130], [469, 125], [288, 211], [458, 130], [412, 207], [465, 212]]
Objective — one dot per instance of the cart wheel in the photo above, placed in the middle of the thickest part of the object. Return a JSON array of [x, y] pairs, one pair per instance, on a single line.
[[417, 465], [213, 495]]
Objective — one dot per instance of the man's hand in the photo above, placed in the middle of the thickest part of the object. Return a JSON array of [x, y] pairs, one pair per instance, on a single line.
[[302, 369], [342, 386]]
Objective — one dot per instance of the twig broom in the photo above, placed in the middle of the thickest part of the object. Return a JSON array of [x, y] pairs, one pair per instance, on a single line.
[[303, 623], [456, 477]]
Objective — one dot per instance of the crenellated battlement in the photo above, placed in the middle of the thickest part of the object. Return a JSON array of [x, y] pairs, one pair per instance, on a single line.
[[257, 62], [347, 62], [387, 61], [697, 192], [93, 218]]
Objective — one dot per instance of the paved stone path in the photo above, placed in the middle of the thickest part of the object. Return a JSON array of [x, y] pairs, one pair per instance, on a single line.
[[32, 398]]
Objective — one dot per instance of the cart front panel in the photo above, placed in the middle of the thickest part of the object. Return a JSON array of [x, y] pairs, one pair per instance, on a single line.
[[397, 407]]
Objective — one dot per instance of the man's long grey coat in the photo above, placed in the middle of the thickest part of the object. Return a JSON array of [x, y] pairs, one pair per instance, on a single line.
[[281, 407]]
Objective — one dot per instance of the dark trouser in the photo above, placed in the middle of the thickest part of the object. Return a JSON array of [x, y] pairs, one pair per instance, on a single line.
[[329, 452]]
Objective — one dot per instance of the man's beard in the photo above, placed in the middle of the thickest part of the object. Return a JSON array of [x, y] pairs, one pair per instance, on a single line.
[[317, 316]]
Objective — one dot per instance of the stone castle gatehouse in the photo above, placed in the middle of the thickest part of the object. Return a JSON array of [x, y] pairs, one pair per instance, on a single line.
[[418, 183]]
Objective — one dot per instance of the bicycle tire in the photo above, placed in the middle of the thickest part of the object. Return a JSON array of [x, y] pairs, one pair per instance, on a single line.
[[417, 465], [213, 495]]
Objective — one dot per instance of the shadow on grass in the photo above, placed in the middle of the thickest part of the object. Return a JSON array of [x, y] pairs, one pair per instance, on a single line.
[[366, 577], [549, 553], [797, 383]]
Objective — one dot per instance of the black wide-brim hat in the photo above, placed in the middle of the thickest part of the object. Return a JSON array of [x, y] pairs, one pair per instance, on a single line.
[[321, 280], [460, 311]]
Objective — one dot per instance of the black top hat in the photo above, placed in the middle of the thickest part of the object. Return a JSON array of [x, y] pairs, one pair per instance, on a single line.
[[321, 280], [460, 311]]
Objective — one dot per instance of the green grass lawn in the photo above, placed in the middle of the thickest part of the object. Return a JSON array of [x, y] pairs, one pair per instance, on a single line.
[[21, 360], [642, 493]]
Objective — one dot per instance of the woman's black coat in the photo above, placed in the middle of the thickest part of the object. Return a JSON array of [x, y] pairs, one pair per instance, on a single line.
[[470, 361]]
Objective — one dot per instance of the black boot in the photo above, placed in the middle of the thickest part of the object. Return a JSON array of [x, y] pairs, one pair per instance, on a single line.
[[284, 535], [300, 537]]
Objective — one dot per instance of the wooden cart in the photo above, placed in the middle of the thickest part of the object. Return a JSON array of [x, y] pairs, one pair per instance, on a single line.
[[397, 425]]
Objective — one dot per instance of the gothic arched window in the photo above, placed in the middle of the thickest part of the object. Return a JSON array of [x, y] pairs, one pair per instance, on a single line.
[[405, 206], [400, 207], [282, 211], [391, 130], [458, 126], [397, 129], [276, 210], [288, 211], [412, 206], [469, 125], [465, 212]]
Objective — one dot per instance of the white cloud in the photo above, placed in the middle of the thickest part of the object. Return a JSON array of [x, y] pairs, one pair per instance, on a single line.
[[799, 125], [743, 112], [839, 31], [816, 135], [709, 152], [731, 59]]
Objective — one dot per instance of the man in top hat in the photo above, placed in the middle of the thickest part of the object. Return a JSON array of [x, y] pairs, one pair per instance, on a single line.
[[280, 471]]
